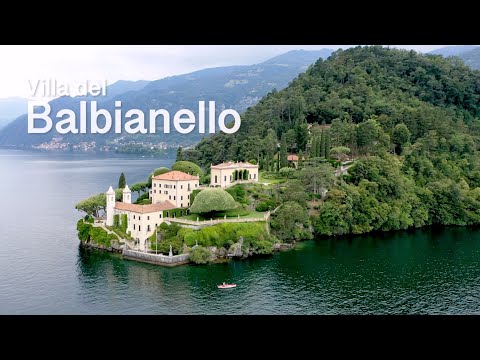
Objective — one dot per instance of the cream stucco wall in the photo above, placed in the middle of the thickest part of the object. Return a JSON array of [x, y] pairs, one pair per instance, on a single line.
[[141, 226], [224, 176], [176, 191]]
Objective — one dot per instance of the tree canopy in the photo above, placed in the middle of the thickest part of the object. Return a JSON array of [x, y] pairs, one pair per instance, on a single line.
[[188, 167], [211, 200]]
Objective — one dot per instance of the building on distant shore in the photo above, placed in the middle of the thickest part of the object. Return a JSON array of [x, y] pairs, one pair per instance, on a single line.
[[230, 173]]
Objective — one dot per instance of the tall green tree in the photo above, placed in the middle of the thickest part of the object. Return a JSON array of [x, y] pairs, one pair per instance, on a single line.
[[401, 136], [313, 147], [322, 144], [179, 154], [283, 151], [327, 144], [301, 132], [121, 181], [300, 159]]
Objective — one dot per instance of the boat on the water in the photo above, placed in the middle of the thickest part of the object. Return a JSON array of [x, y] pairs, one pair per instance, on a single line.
[[226, 286]]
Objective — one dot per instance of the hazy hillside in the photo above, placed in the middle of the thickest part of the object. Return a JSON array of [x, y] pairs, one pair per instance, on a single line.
[[11, 108], [453, 50], [237, 87], [472, 58]]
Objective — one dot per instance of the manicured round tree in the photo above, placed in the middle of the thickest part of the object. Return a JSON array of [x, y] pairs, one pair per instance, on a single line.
[[212, 200], [156, 172], [188, 167]]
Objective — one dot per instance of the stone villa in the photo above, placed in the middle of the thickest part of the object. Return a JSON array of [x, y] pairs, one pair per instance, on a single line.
[[169, 191], [229, 173], [174, 186]]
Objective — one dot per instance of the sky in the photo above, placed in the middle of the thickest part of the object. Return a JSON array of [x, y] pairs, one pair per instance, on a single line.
[[21, 66]]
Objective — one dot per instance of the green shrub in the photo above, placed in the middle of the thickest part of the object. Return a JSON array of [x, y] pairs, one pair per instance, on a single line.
[[200, 255], [123, 226], [141, 198], [83, 230], [266, 205], [193, 194], [116, 220]]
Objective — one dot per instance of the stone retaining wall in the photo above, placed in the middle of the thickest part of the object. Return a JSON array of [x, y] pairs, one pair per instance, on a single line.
[[156, 259]]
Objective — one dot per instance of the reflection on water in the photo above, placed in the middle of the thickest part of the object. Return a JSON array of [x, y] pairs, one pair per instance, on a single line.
[[43, 270]]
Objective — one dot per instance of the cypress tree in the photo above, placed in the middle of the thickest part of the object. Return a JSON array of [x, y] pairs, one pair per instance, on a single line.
[[327, 144], [121, 181], [283, 151], [322, 145], [300, 159]]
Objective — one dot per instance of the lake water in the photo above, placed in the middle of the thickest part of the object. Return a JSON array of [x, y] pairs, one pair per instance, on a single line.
[[44, 271]]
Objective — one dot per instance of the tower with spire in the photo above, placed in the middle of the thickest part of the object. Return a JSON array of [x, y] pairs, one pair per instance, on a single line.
[[127, 195], [111, 205]]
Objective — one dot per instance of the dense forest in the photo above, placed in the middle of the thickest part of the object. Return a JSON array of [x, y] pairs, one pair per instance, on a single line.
[[410, 122]]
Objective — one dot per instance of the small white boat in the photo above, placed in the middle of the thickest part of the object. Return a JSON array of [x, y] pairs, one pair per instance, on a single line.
[[226, 286]]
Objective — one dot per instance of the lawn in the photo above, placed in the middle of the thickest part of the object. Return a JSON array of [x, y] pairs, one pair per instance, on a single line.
[[263, 179], [230, 214]]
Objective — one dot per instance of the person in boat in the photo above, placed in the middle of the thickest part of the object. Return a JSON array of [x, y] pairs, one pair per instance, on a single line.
[[224, 283]]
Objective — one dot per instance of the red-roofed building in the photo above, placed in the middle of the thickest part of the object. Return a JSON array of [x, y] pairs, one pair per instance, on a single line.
[[293, 160], [174, 186], [142, 220]]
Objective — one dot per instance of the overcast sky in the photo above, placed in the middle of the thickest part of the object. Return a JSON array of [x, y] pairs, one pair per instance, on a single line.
[[75, 63]]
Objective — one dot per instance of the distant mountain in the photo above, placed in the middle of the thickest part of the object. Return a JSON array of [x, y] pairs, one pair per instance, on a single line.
[[470, 54], [236, 87], [472, 58], [11, 108], [453, 50]]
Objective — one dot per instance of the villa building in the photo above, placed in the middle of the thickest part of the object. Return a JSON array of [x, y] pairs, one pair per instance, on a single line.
[[175, 187], [230, 173], [293, 160], [142, 220]]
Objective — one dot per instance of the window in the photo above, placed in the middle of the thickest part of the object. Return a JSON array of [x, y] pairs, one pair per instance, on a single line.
[[139, 228], [133, 226], [181, 186], [133, 217], [254, 176], [188, 197], [139, 217], [169, 197], [225, 178], [196, 185], [155, 191], [160, 215], [181, 205], [148, 227], [148, 217], [159, 185], [166, 192], [159, 191], [230, 178], [168, 213], [181, 197], [215, 180], [174, 198], [174, 186], [188, 187], [154, 185]]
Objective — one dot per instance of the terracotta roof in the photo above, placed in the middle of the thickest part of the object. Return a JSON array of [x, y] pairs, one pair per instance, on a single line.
[[175, 175], [233, 165], [294, 157], [143, 209]]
